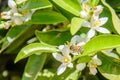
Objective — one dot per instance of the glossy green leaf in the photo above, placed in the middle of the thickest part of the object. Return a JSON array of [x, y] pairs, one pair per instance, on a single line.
[[71, 6], [75, 24], [47, 17], [84, 59], [54, 37], [93, 2], [36, 4], [110, 67], [34, 48], [14, 37], [34, 65], [115, 19], [114, 3], [101, 42], [118, 50], [69, 74]]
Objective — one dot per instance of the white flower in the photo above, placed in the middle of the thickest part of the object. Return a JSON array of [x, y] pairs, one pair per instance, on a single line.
[[93, 65], [97, 10], [110, 53], [95, 25], [27, 15], [65, 58], [17, 19], [77, 42], [80, 66], [86, 10], [6, 15], [12, 5]]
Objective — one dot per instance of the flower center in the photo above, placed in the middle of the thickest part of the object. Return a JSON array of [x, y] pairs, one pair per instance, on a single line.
[[66, 59], [96, 23]]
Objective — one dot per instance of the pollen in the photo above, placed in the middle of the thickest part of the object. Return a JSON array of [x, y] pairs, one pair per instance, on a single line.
[[97, 23], [66, 59]]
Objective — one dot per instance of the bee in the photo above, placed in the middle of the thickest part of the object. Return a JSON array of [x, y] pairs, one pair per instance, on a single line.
[[76, 48]]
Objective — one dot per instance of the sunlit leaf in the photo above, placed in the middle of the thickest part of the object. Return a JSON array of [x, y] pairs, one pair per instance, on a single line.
[[75, 25], [34, 48], [14, 37], [34, 65], [47, 17], [36, 4], [115, 19], [68, 75], [101, 42], [70, 6], [110, 67], [54, 37]]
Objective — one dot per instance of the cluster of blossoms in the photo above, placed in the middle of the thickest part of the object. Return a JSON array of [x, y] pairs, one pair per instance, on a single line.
[[75, 47], [15, 16]]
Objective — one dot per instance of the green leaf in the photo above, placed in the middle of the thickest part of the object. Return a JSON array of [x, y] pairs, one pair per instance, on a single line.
[[54, 37], [47, 17], [69, 74], [36, 4], [14, 37], [93, 2], [34, 65], [75, 24], [118, 50], [84, 59], [34, 48], [101, 42], [71, 6], [115, 19], [110, 67]]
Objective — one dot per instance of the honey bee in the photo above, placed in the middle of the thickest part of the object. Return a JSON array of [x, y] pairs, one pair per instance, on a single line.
[[76, 48]]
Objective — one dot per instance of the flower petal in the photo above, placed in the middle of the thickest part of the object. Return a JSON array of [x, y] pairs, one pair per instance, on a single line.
[[80, 66], [86, 24], [11, 3], [70, 65], [93, 71], [58, 57], [83, 14], [61, 47], [102, 30], [90, 33], [76, 39], [61, 69], [66, 50], [97, 10], [103, 21]]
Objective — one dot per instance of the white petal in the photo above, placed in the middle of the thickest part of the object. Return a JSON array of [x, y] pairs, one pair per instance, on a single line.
[[98, 10], [102, 30], [61, 47], [80, 66], [61, 69], [81, 43], [17, 20], [90, 33], [103, 21], [58, 57], [114, 55], [66, 50], [86, 24], [93, 71], [110, 53], [11, 3], [70, 65], [97, 60], [83, 14], [76, 39]]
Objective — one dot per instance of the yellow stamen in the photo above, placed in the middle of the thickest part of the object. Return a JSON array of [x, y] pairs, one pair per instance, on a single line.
[[66, 59]]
